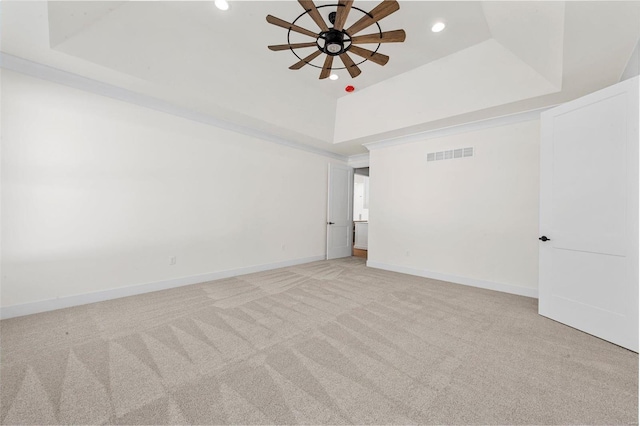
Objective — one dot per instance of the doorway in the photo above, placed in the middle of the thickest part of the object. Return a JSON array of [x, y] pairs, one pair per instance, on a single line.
[[361, 212]]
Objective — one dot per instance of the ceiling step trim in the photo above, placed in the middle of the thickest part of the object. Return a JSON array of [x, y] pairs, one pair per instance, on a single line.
[[471, 126], [76, 81]]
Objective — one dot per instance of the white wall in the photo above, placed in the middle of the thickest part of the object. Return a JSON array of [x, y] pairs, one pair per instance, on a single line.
[[99, 194], [468, 220]]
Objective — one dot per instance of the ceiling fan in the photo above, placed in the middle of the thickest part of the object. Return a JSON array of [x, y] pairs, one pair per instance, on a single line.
[[337, 41]]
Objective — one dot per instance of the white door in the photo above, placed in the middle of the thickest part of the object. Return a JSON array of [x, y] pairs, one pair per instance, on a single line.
[[339, 219], [589, 213]]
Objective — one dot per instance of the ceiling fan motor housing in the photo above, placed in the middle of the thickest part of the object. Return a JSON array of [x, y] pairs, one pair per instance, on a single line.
[[332, 18], [333, 42]]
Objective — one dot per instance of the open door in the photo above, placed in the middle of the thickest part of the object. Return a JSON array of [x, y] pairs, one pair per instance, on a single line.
[[339, 219], [589, 214]]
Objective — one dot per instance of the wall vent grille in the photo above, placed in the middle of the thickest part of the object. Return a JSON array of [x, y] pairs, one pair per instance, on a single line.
[[450, 154]]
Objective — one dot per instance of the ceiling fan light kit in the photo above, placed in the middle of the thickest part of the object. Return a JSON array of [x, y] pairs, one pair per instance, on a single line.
[[338, 41]]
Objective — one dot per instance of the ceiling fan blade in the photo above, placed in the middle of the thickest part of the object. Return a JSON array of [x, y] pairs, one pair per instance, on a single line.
[[326, 68], [384, 9], [353, 69], [305, 61], [376, 57], [276, 47], [311, 8], [344, 6], [284, 24], [396, 36]]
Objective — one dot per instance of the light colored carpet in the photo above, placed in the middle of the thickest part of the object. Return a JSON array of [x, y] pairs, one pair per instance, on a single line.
[[329, 342]]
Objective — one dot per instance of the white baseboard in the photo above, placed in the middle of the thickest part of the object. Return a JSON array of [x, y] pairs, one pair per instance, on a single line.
[[472, 282], [115, 293]]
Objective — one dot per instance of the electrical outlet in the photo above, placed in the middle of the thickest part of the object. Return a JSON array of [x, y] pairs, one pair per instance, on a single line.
[[284, 247], [172, 260], [408, 253]]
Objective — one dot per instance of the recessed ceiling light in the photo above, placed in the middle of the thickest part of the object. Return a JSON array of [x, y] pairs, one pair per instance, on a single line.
[[333, 77], [437, 27], [222, 4]]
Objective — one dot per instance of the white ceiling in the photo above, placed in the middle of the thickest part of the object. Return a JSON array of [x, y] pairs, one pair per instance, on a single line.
[[494, 58]]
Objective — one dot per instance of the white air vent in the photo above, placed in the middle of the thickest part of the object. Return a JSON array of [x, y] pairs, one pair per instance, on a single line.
[[450, 154]]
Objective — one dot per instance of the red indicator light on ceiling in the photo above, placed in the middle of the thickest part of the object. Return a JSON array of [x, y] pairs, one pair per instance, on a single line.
[[349, 88]]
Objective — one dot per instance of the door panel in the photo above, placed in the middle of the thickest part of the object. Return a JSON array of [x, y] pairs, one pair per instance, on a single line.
[[590, 176], [608, 271], [339, 237], [339, 222], [589, 211]]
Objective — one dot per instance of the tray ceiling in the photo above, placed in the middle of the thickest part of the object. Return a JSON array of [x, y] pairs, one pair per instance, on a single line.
[[492, 58]]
